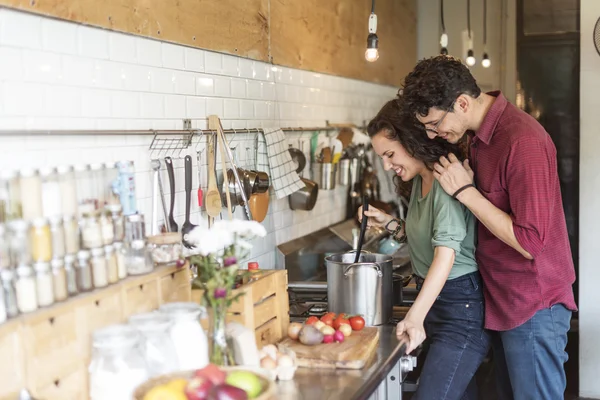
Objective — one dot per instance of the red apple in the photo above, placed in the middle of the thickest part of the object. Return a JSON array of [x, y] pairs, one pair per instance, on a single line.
[[198, 388], [227, 392], [212, 373]]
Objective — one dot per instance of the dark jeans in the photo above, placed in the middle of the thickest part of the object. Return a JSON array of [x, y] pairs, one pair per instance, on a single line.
[[529, 359], [458, 342]]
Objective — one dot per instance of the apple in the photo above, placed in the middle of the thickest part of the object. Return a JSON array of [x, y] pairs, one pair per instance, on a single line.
[[198, 388], [227, 392], [212, 373], [245, 380]]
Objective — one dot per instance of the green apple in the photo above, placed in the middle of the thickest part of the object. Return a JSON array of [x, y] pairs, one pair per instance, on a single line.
[[246, 381]]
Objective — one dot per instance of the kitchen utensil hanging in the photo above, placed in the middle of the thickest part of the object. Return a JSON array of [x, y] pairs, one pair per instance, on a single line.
[[259, 200], [597, 36], [213, 197], [187, 226], [172, 224]]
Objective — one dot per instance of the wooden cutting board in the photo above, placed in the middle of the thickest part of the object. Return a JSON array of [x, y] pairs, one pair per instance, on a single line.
[[353, 353]]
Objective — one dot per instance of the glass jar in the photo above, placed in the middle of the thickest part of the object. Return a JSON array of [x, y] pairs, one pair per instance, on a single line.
[[71, 275], [19, 243], [99, 270], [157, 346], [72, 237], [57, 233], [117, 365], [118, 221], [44, 284], [91, 232], [84, 271], [68, 191], [97, 175], [51, 204], [10, 196], [41, 240], [8, 292], [165, 248], [120, 256], [126, 187], [3, 314], [137, 257], [31, 194], [86, 204], [107, 228], [25, 288], [4, 247], [111, 264], [59, 279], [111, 176], [191, 345]]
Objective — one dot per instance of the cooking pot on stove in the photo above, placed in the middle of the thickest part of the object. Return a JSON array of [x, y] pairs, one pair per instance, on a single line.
[[364, 287]]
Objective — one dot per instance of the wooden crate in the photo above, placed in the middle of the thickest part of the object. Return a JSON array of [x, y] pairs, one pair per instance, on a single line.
[[48, 351], [264, 307]]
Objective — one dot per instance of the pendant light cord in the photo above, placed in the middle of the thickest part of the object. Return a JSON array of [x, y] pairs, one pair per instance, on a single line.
[[372, 6], [484, 22], [442, 16], [469, 17]]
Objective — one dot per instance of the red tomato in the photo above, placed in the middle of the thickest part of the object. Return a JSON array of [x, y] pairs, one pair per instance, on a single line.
[[340, 320], [311, 320], [357, 323], [328, 318]]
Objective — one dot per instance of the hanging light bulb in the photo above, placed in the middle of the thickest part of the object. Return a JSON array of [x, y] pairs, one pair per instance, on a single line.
[[471, 58], [372, 53], [444, 44], [485, 61]]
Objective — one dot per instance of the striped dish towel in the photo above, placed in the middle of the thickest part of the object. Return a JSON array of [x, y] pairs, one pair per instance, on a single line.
[[273, 156]]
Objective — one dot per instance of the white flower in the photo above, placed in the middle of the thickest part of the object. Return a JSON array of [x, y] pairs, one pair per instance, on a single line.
[[210, 241], [246, 229]]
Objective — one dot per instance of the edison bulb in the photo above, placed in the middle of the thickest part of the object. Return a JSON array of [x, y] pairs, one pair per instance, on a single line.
[[371, 55], [485, 61], [470, 58]]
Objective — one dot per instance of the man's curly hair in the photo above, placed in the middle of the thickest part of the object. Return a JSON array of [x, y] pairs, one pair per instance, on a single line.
[[437, 82]]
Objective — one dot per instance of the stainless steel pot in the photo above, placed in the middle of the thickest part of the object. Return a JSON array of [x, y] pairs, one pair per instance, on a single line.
[[325, 175], [364, 288]]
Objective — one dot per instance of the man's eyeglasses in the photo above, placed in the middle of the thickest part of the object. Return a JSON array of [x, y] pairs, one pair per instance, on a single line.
[[434, 128]]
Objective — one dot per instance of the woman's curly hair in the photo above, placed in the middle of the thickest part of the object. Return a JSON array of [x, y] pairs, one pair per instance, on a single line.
[[400, 125]]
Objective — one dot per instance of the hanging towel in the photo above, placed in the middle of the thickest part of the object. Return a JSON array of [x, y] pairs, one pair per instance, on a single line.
[[278, 162]]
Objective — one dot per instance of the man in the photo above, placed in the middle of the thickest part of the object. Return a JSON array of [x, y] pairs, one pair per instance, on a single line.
[[523, 247]]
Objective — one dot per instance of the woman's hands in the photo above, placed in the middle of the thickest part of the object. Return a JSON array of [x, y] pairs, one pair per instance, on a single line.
[[376, 218], [414, 330]]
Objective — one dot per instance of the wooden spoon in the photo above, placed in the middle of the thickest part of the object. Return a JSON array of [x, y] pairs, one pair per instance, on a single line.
[[258, 202], [213, 198]]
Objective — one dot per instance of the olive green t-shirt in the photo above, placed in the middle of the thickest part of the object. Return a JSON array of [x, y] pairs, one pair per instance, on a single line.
[[439, 220]]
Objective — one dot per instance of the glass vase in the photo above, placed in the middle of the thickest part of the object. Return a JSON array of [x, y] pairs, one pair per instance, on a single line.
[[220, 352]]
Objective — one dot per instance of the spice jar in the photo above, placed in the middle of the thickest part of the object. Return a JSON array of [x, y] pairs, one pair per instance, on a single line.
[[165, 248], [71, 275], [97, 174], [99, 270], [137, 257], [68, 191], [4, 248], [157, 346], [26, 289], [31, 194], [59, 279], [86, 204], [118, 221], [44, 284], [41, 240], [120, 256], [72, 240], [57, 233], [126, 187], [84, 271], [19, 243], [117, 365], [10, 196], [91, 232], [107, 228], [111, 176], [8, 292], [51, 206], [111, 264]]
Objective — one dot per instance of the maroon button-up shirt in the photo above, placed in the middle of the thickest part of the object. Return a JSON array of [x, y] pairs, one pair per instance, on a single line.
[[515, 167]]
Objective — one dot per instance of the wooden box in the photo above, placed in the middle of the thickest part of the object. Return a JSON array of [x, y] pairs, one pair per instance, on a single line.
[[264, 307]]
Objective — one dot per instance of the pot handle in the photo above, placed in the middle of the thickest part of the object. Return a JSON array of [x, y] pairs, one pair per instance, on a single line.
[[375, 266], [362, 251]]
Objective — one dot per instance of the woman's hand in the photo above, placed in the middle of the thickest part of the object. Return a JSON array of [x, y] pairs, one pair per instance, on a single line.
[[415, 332], [376, 218]]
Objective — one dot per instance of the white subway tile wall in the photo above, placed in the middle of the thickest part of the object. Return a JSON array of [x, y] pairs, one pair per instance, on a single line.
[[60, 75]]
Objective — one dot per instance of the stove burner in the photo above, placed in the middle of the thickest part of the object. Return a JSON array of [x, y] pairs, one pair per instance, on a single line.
[[318, 309]]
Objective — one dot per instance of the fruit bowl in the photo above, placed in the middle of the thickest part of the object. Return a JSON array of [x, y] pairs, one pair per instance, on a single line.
[[267, 392]]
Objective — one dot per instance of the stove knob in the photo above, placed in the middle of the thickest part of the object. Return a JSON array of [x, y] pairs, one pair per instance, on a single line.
[[407, 364]]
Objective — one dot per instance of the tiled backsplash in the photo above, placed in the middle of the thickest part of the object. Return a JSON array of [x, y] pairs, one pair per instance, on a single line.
[[60, 75]]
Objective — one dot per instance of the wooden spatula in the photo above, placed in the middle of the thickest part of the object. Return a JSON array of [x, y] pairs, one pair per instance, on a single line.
[[213, 198]]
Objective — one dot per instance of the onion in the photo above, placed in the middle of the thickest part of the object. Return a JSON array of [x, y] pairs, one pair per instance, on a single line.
[[346, 330], [328, 339], [338, 336], [294, 330]]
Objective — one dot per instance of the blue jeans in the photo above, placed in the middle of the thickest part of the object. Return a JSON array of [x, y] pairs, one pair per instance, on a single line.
[[529, 359], [457, 341]]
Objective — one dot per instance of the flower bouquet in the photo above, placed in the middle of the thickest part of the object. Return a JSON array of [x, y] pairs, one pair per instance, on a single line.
[[219, 250]]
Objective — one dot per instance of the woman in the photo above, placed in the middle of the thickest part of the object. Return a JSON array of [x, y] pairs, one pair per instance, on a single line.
[[441, 235]]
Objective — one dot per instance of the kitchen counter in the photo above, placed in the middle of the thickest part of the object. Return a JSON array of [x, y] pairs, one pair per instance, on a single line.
[[324, 384]]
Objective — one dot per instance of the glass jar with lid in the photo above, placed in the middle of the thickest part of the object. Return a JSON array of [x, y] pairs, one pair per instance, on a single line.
[[19, 242], [111, 176], [31, 194], [84, 271], [8, 292], [111, 264], [72, 237], [120, 256], [118, 365], [41, 240], [51, 204], [118, 221], [99, 270], [137, 256], [187, 334], [71, 275], [107, 228], [44, 284], [157, 346], [57, 232], [91, 232], [68, 190], [26, 290], [10, 196], [59, 279], [4, 247], [97, 174], [86, 204], [126, 187]]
